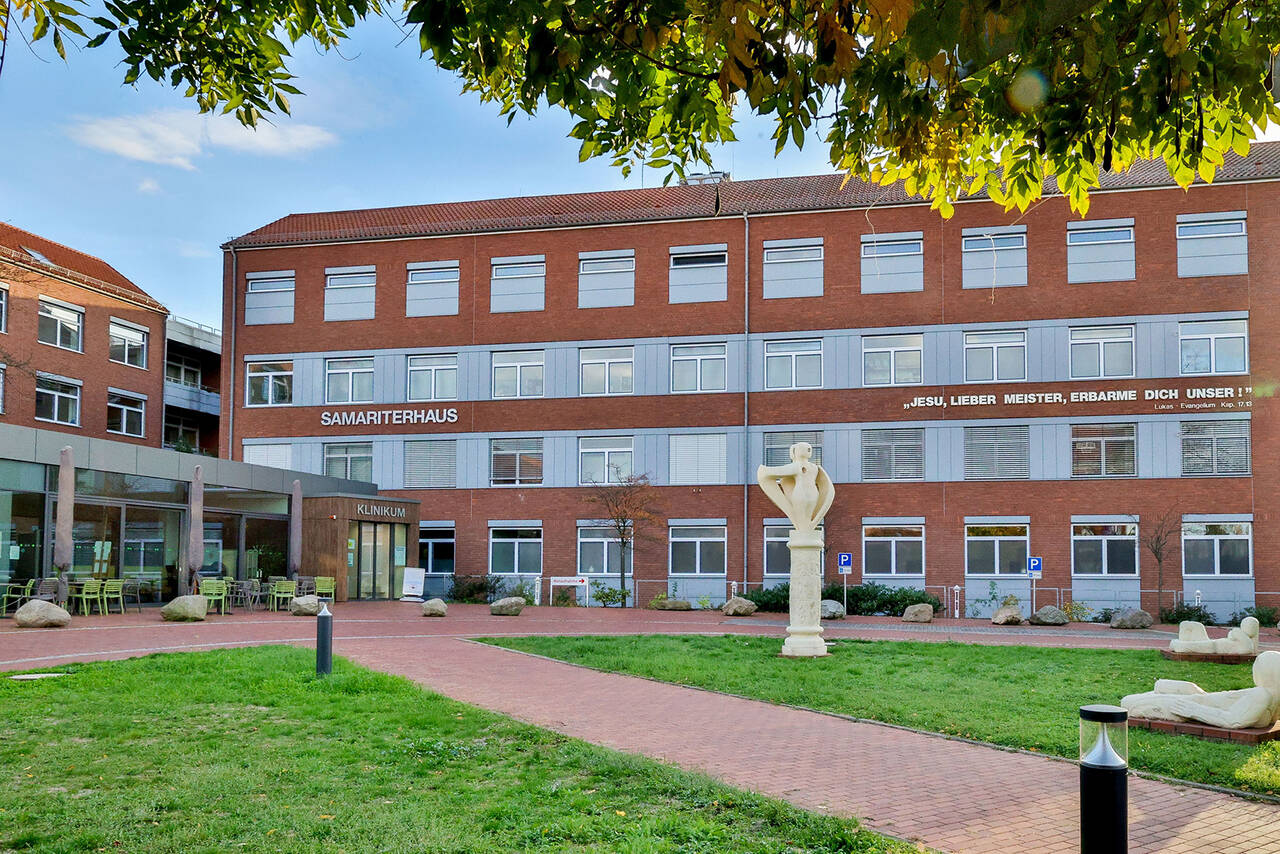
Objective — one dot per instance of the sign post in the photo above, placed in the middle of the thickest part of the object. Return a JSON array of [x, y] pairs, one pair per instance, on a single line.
[[844, 566], [1035, 566]]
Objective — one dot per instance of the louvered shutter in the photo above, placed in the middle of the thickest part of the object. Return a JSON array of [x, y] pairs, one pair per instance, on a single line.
[[276, 456], [777, 446], [893, 454], [431, 464], [997, 453], [699, 458], [1215, 447]]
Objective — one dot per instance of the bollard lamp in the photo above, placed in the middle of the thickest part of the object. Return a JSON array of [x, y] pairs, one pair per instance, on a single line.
[[324, 642], [1104, 780]]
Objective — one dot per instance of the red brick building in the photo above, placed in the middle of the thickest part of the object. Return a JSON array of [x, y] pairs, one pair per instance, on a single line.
[[981, 389]]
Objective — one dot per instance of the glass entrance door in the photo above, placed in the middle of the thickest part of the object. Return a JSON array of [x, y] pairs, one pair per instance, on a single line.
[[376, 560]]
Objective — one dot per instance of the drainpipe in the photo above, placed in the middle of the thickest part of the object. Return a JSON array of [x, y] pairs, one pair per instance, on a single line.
[[746, 387], [229, 393]]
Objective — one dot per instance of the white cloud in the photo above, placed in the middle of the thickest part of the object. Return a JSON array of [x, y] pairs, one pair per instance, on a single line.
[[149, 186], [177, 138]]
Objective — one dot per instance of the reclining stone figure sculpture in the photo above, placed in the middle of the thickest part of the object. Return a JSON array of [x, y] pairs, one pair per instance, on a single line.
[[1192, 638], [1174, 700]]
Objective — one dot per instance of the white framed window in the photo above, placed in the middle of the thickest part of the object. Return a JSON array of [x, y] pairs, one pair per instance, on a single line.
[[515, 551], [792, 254], [348, 380], [350, 280], [993, 257], [777, 446], [1104, 450], [1104, 549], [57, 401], [606, 370], [891, 248], [436, 550], [993, 242], [517, 284], [1101, 352], [698, 367], [996, 549], [60, 326], [433, 377], [892, 359], [684, 260], [183, 371], [1217, 548], [1215, 448], [1212, 244], [792, 268], [181, 430], [1094, 236], [698, 550], [276, 284], [515, 462], [1100, 251], [995, 356], [777, 554], [698, 459], [593, 266], [431, 464], [893, 550], [350, 460], [997, 453], [600, 552], [1210, 230], [518, 373], [1213, 347], [604, 459], [127, 345], [793, 364], [606, 278], [126, 415], [892, 263], [431, 289], [895, 453], [269, 384], [4, 309]]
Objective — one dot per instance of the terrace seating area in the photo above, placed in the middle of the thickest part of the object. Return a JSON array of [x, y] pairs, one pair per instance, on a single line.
[[115, 595]]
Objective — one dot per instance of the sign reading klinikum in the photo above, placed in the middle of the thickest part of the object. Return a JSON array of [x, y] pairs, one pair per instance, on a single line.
[[383, 510]]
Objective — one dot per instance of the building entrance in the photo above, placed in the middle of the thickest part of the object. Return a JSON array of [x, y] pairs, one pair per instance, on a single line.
[[376, 557]]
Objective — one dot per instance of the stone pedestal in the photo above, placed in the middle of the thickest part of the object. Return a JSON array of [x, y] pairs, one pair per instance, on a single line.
[[804, 632]]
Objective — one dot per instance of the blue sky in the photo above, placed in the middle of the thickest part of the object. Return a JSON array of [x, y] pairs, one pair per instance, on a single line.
[[136, 176]]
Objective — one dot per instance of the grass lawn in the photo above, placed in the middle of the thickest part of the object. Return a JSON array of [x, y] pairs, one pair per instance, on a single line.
[[244, 750], [1017, 696]]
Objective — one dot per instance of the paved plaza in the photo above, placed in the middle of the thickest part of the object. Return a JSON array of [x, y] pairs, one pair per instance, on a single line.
[[948, 794]]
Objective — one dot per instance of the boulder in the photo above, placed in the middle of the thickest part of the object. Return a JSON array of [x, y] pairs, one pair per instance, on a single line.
[[919, 613], [1049, 616], [39, 614], [1007, 615], [830, 609], [738, 607], [185, 609], [672, 605], [1131, 618], [511, 606], [434, 608], [304, 606]]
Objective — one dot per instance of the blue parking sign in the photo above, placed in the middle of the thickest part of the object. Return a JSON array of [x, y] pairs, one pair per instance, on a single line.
[[1034, 566], [844, 563]]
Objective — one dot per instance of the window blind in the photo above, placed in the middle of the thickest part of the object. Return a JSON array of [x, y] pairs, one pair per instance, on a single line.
[[431, 464], [699, 458], [777, 446], [997, 453], [896, 454]]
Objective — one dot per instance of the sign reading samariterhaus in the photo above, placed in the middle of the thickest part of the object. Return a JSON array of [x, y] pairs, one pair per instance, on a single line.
[[377, 417]]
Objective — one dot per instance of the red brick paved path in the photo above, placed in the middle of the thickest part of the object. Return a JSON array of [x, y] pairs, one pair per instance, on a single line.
[[950, 795]]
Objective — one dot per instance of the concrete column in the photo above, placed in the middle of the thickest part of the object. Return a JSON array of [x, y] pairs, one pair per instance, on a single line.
[[804, 633]]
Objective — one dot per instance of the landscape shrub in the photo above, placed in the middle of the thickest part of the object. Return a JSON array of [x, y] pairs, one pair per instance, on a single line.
[[865, 600], [771, 598], [524, 589], [1077, 612], [609, 595], [1180, 612], [475, 590], [1264, 614]]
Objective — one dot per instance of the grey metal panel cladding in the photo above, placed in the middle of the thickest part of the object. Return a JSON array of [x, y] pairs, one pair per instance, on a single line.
[[1159, 448], [978, 587], [936, 363], [390, 382], [308, 382], [430, 299], [1100, 262], [1112, 592], [1227, 255], [111, 456], [560, 461], [519, 294], [841, 367], [473, 463], [793, 279], [1003, 268], [349, 303], [601, 290], [1220, 594], [561, 372], [268, 307], [698, 284], [842, 463], [1043, 355], [308, 456], [474, 375], [887, 274], [736, 350], [388, 463], [650, 372]]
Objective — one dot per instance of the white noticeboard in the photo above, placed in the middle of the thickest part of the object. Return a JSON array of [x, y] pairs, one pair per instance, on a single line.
[[415, 580]]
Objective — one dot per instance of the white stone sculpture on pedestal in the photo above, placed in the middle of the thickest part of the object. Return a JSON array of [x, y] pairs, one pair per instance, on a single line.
[[1192, 638], [1175, 700], [803, 491]]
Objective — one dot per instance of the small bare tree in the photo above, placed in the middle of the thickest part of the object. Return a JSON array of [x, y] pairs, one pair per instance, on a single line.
[[1160, 538], [628, 508]]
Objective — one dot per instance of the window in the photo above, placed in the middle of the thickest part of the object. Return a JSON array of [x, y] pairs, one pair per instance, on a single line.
[[515, 551], [126, 415], [700, 259], [698, 458], [517, 284], [1100, 251], [1103, 450], [893, 454], [515, 462], [180, 431], [350, 280], [893, 550], [993, 258], [777, 554], [269, 298], [1104, 549], [350, 293], [792, 364], [431, 289], [1215, 447], [1212, 244], [995, 356], [518, 373], [698, 274], [276, 455], [270, 384], [1214, 347], [353, 461], [4, 309], [606, 279], [892, 359], [2, 376], [605, 459], [1221, 548], [431, 464], [1094, 236], [436, 548], [792, 268], [183, 371], [698, 551], [1101, 352], [892, 263], [600, 552], [127, 345], [606, 370], [777, 446], [57, 401], [348, 380], [433, 377], [997, 453], [269, 285], [60, 326], [996, 549], [698, 367]]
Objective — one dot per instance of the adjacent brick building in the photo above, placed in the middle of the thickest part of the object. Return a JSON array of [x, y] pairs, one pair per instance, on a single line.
[[981, 389]]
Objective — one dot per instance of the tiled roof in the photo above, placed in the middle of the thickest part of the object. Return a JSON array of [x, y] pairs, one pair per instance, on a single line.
[[730, 198], [37, 252]]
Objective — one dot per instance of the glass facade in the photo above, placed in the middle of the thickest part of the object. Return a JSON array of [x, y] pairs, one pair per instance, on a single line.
[[21, 521]]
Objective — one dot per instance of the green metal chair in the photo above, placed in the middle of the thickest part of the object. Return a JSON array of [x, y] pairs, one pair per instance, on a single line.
[[282, 591], [89, 595], [112, 591], [215, 591], [325, 587], [16, 594]]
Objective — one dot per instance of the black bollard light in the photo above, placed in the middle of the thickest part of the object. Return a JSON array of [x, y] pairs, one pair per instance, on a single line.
[[1104, 780], [324, 642]]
